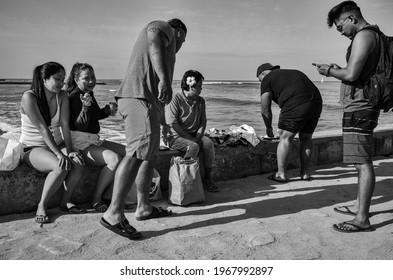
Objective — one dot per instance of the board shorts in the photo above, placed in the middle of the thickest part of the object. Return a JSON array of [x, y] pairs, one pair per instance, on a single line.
[[358, 128], [142, 128], [302, 118]]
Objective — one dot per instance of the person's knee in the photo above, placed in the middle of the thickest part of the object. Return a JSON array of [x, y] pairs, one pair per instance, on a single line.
[[287, 135], [193, 148], [59, 172], [364, 167], [286, 139], [113, 161]]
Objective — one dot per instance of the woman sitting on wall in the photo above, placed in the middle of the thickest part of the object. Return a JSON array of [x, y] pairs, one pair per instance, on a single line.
[[84, 123], [46, 137], [186, 117]]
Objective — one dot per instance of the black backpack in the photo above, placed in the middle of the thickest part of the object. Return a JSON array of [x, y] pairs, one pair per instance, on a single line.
[[378, 87]]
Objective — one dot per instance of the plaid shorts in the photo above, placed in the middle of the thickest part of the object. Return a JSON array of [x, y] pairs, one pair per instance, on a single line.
[[358, 128]]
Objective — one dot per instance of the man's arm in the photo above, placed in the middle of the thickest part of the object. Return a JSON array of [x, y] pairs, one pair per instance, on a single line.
[[266, 112], [158, 43], [362, 45]]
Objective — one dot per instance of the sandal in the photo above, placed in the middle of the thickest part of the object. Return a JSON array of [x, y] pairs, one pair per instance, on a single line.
[[210, 186], [100, 206], [123, 229], [305, 177], [276, 178], [350, 227], [42, 219]]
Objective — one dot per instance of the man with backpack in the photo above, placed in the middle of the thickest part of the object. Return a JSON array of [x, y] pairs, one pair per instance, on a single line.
[[360, 114]]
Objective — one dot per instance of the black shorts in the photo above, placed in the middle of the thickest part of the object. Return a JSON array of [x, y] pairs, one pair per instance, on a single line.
[[302, 118]]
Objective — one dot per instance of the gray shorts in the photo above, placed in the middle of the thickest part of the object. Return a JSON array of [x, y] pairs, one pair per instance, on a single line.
[[142, 128]]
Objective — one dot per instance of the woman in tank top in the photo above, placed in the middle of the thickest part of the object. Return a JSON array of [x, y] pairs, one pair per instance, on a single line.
[[46, 137]]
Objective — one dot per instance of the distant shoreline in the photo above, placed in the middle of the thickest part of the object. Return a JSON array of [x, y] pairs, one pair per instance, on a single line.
[[111, 81], [27, 82]]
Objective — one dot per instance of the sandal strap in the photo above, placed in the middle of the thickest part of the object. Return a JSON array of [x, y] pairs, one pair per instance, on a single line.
[[41, 218]]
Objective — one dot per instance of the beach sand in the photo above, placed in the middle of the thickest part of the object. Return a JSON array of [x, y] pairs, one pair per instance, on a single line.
[[249, 219]]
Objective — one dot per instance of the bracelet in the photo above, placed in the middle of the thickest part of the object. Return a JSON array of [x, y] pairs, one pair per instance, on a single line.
[[328, 71]]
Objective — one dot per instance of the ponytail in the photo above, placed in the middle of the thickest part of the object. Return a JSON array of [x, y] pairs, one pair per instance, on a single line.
[[41, 73]]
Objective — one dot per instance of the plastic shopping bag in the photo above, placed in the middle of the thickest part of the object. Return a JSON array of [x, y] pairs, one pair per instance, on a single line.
[[247, 132], [185, 183], [10, 152], [155, 188]]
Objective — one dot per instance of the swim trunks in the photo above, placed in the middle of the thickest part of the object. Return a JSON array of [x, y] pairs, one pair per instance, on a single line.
[[303, 118], [358, 128]]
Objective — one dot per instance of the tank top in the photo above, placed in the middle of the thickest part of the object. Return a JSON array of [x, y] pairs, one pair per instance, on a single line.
[[351, 93], [30, 136]]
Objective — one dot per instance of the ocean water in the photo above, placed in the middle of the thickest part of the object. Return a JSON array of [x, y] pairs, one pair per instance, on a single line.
[[227, 103]]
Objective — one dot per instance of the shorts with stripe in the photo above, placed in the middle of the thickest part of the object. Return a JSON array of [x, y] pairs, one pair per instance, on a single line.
[[358, 128], [142, 128]]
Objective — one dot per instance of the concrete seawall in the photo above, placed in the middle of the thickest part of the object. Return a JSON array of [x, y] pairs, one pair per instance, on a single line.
[[20, 189]]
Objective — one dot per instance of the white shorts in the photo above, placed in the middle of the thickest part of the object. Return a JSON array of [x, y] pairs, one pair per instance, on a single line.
[[82, 140]]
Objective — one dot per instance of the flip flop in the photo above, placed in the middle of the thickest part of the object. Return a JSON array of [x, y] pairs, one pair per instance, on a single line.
[[155, 213], [42, 219], [123, 229], [347, 211], [353, 227], [278, 179], [73, 209], [305, 177], [100, 206], [270, 138]]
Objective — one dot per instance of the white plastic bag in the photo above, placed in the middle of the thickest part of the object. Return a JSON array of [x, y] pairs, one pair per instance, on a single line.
[[11, 151], [247, 132], [164, 137], [154, 193]]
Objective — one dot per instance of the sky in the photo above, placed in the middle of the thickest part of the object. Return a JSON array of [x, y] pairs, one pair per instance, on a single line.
[[226, 39]]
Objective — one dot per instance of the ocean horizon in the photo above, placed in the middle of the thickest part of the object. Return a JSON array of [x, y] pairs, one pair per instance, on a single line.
[[236, 81], [228, 103]]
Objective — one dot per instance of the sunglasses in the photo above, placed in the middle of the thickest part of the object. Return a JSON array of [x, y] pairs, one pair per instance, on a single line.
[[340, 25]]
